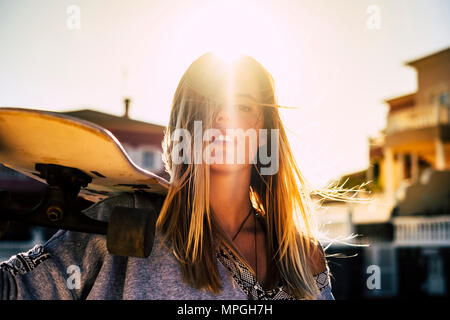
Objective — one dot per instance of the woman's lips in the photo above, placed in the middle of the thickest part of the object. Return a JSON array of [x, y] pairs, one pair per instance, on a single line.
[[223, 139]]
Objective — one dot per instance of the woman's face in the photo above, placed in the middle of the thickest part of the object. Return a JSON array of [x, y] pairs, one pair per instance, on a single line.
[[238, 120]]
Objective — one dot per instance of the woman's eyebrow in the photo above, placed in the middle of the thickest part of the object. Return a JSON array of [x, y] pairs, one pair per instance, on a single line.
[[245, 95]]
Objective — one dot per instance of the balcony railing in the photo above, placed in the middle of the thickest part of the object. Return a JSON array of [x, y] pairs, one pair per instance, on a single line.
[[422, 230], [418, 118]]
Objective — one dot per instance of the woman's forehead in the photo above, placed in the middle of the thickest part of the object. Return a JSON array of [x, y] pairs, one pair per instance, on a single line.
[[245, 98], [239, 98], [245, 92], [239, 86]]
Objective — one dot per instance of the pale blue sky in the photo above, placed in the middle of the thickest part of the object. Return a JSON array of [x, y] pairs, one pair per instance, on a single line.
[[322, 55]]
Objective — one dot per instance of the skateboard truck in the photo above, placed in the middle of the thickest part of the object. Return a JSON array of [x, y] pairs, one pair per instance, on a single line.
[[130, 231]]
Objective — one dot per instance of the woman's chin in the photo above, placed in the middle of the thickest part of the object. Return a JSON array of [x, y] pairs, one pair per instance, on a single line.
[[228, 168]]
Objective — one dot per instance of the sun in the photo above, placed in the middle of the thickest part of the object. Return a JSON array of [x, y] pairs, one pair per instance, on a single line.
[[227, 54], [227, 28]]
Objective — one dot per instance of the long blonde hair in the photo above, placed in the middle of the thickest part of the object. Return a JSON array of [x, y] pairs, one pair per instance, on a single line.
[[282, 199]]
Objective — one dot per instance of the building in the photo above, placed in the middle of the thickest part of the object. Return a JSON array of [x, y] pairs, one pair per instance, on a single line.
[[407, 223], [417, 135]]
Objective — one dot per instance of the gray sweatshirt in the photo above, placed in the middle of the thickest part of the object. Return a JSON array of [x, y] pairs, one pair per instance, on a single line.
[[75, 265]]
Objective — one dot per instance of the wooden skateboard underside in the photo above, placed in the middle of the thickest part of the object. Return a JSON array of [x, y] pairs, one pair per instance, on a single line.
[[30, 137]]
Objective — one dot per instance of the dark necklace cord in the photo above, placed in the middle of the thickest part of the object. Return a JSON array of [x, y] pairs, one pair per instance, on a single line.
[[242, 224], [256, 252], [256, 249]]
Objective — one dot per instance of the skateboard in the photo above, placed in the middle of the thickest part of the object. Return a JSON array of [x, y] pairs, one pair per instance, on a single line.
[[77, 158]]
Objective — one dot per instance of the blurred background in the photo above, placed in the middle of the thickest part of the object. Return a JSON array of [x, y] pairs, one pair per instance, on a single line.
[[370, 80]]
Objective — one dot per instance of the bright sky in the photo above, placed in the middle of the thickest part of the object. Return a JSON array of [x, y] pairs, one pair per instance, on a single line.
[[333, 59]]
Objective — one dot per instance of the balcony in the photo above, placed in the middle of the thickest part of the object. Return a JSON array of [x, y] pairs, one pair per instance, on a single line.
[[419, 117], [419, 231]]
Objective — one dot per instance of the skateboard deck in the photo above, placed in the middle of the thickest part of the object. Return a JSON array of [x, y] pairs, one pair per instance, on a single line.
[[31, 137]]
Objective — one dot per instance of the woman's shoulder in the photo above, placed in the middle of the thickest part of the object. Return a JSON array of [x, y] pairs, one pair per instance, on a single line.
[[317, 259], [320, 271]]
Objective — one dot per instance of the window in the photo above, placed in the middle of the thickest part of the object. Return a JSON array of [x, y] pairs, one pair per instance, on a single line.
[[148, 160], [444, 99]]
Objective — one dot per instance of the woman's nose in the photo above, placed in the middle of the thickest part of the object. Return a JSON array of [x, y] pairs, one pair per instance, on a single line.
[[223, 116]]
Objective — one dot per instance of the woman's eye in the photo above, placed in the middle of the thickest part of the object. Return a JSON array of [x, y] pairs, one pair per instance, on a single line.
[[244, 108]]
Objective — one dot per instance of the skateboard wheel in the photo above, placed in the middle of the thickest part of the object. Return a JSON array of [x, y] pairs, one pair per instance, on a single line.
[[131, 231]]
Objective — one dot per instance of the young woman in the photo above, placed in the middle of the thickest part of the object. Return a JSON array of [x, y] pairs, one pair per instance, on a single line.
[[235, 223]]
